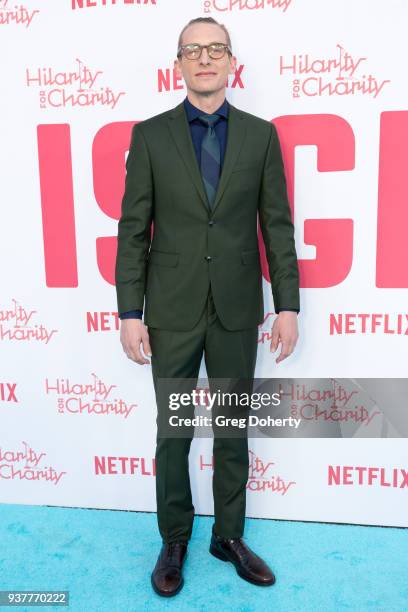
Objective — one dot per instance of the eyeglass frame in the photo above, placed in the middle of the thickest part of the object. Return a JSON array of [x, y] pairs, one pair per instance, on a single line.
[[182, 47]]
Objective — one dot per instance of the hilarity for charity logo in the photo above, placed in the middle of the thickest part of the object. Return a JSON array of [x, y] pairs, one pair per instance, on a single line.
[[242, 5], [262, 478], [75, 88], [16, 325], [265, 329], [87, 398], [27, 464], [341, 75], [18, 15]]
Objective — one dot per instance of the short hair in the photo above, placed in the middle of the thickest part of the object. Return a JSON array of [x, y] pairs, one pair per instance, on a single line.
[[204, 20]]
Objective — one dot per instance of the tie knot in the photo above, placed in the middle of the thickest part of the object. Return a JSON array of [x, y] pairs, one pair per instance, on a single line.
[[209, 120]]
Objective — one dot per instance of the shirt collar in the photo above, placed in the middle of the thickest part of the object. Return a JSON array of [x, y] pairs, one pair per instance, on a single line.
[[193, 112]]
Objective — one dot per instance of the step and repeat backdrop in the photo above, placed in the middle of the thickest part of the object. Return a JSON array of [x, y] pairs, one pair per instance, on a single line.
[[77, 417]]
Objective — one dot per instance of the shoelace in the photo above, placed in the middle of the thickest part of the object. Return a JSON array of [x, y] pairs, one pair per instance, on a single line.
[[239, 547]]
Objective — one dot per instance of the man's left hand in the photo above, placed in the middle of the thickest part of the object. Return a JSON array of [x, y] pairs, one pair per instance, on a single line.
[[284, 330]]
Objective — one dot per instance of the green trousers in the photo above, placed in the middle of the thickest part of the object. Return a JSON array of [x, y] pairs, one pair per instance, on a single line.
[[178, 354]]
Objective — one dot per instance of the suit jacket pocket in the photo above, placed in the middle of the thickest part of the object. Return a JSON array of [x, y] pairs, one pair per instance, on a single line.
[[162, 258]]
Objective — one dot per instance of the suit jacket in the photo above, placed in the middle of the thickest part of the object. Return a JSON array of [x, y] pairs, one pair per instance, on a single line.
[[193, 246]]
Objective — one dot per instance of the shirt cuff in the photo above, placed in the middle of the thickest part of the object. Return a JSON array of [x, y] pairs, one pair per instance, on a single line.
[[291, 309], [131, 314]]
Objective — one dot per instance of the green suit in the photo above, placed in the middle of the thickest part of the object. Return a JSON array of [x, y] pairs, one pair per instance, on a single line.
[[199, 280]]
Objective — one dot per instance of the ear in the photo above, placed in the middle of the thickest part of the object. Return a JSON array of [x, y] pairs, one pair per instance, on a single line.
[[233, 64], [177, 67]]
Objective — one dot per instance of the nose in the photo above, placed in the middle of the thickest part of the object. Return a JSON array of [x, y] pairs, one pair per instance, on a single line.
[[205, 58]]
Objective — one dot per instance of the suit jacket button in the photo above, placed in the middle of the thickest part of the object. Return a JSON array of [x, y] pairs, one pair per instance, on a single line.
[[211, 223], [208, 257]]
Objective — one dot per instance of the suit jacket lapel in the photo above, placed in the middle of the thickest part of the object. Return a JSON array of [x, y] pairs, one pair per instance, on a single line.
[[180, 130]]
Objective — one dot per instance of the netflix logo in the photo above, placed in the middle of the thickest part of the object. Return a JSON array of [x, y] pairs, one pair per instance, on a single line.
[[102, 321], [84, 4], [108, 466], [341, 324], [8, 392], [169, 80], [358, 475]]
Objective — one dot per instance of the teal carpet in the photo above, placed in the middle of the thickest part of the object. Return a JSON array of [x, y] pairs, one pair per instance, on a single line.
[[105, 558]]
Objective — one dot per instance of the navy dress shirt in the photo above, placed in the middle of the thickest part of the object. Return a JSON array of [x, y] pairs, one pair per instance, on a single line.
[[198, 130]]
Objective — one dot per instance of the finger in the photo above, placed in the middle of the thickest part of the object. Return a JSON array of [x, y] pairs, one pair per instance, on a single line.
[[141, 359], [285, 352], [133, 352], [288, 344], [130, 354], [275, 339], [146, 346]]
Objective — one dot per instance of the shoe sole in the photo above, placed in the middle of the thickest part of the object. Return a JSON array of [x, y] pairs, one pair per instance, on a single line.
[[219, 555]]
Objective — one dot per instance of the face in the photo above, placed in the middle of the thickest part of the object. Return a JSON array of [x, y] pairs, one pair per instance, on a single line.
[[205, 76]]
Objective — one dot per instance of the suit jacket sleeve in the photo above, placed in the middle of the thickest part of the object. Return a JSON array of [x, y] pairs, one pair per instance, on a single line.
[[278, 230], [134, 226]]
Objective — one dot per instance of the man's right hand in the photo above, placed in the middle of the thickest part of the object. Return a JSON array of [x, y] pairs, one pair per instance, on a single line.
[[133, 334]]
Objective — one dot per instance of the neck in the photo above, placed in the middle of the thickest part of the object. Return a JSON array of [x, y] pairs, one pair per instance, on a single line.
[[208, 103]]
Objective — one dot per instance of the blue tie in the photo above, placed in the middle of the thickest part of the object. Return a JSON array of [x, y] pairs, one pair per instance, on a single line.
[[210, 157]]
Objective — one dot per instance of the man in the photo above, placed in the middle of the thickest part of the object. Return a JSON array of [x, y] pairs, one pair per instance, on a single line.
[[202, 172]]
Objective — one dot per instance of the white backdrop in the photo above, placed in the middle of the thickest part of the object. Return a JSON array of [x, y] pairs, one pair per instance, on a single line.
[[77, 418]]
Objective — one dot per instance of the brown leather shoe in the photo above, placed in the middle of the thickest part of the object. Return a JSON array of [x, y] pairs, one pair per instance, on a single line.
[[166, 578], [247, 564]]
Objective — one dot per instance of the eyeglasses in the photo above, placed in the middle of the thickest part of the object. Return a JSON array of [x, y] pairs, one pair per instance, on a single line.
[[194, 50]]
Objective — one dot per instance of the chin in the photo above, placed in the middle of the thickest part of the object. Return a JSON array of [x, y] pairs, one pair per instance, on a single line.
[[202, 90]]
